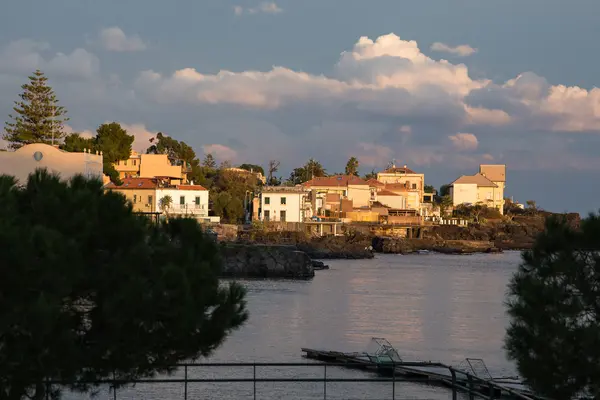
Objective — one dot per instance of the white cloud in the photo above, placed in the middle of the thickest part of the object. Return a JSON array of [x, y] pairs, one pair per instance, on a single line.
[[266, 7], [390, 76], [220, 152], [464, 141], [462, 50], [142, 136], [114, 39], [25, 55]]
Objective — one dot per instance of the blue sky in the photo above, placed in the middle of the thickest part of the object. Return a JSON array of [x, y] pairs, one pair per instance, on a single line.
[[300, 82]]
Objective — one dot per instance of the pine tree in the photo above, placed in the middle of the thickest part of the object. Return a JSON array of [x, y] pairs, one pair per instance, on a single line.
[[38, 118]]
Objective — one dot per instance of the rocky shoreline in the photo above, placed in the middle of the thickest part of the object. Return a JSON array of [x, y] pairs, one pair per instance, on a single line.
[[293, 255]]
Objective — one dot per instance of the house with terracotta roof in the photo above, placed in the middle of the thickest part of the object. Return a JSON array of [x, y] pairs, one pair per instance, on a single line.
[[404, 179], [189, 200], [141, 192], [145, 195], [477, 189], [284, 204], [348, 187]]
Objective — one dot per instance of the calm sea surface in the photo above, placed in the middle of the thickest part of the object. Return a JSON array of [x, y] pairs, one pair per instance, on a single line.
[[430, 307]]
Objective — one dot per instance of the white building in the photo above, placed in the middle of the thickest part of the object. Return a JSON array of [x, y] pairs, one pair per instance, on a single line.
[[27, 159], [191, 200], [283, 204]]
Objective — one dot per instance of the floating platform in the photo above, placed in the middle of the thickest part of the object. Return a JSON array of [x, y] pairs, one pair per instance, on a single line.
[[471, 375]]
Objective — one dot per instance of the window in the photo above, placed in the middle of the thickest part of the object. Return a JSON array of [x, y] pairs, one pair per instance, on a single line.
[[282, 216], [135, 198], [182, 200], [150, 198], [134, 163], [414, 185], [197, 201], [267, 215], [283, 200], [124, 162], [267, 200]]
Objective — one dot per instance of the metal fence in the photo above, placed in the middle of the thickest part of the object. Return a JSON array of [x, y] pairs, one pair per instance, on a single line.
[[185, 375]]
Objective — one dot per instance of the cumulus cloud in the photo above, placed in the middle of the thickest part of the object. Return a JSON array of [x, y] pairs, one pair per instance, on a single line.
[[464, 141], [266, 7], [462, 50], [26, 55], [390, 77], [220, 152], [114, 39]]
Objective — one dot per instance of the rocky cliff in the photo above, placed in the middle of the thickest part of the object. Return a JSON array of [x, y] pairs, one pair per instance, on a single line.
[[265, 261]]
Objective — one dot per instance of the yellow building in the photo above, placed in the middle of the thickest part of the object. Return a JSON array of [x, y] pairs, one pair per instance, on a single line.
[[497, 174], [151, 166], [349, 187], [141, 193], [477, 189], [413, 183], [27, 159]]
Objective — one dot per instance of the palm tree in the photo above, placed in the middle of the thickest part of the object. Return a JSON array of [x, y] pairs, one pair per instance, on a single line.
[[165, 204], [352, 166]]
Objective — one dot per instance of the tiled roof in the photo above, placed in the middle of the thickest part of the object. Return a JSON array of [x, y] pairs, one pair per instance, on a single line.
[[477, 179], [375, 183], [399, 170], [190, 187], [387, 193], [134, 183], [494, 172], [337, 180]]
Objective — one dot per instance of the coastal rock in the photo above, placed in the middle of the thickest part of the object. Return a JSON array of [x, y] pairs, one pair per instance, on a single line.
[[390, 245], [319, 265], [265, 261], [356, 246]]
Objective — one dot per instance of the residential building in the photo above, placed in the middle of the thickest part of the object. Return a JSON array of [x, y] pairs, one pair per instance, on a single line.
[[27, 159], [145, 195], [189, 200], [477, 189], [152, 166], [284, 204], [404, 179], [497, 174], [349, 187], [244, 172], [391, 199], [141, 193]]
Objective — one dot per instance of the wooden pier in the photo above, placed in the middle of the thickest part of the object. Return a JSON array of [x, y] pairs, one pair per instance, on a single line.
[[471, 377]]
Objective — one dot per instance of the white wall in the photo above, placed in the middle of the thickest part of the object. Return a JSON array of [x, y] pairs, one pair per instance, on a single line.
[[398, 202], [27, 159], [463, 193], [292, 208], [189, 206]]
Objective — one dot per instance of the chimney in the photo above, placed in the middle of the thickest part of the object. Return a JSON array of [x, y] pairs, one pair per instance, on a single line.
[[404, 165]]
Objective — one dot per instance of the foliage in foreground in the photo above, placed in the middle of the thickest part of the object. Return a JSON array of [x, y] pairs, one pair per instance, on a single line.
[[554, 306], [88, 288]]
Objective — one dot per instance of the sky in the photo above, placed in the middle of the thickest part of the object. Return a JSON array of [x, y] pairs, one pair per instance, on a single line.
[[441, 86]]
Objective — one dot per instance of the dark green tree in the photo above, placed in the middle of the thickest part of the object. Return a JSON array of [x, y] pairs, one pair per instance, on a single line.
[[553, 303], [252, 167], [371, 175], [352, 166], [38, 118], [209, 161], [428, 189], [314, 169], [444, 190], [179, 153], [89, 288]]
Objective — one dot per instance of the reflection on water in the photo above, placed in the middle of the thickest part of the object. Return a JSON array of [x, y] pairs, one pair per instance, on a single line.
[[430, 307]]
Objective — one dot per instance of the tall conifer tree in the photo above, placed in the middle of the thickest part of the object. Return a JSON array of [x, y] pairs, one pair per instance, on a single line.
[[38, 118]]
